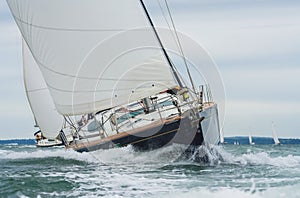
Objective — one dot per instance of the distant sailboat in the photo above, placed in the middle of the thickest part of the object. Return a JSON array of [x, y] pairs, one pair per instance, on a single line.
[[222, 141], [275, 137], [250, 139]]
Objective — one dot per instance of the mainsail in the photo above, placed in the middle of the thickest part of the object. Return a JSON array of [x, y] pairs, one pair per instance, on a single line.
[[47, 118], [95, 54]]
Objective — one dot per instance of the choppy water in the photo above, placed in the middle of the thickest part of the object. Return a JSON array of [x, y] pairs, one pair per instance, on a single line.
[[235, 171]]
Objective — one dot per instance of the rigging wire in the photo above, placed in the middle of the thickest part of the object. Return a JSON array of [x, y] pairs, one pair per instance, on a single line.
[[165, 17], [180, 46], [174, 37], [161, 45], [69, 121]]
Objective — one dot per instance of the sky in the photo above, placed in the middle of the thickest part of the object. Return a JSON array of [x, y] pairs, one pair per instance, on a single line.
[[255, 44]]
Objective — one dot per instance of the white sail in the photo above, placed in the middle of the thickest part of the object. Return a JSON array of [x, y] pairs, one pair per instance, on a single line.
[[275, 137], [222, 141], [94, 54], [250, 139], [42, 106]]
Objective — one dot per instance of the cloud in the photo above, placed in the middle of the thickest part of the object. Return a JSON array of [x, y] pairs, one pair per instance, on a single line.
[[262, 108], [243, 115], [3, 7], [16, 117], [256, 97], [5, 14], [239, 30], [10, 36], [278, 84]]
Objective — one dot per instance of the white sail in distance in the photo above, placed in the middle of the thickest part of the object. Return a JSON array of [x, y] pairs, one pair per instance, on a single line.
[[275, 137], [250, 139], [95, 54], [47, 118], [222, 141]]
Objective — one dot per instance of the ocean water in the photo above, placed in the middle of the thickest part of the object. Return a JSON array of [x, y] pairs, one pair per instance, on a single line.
[[231, 171]]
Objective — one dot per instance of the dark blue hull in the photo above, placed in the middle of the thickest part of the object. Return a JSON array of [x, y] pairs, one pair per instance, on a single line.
[[181, 131]]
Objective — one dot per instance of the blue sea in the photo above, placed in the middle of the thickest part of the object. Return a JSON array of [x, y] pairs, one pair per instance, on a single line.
[[260, 170]]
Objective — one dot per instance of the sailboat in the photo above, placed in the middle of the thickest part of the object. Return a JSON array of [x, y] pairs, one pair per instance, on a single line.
[[110, 76], [250, 139], [46, 117], [222, 139], [275, 137]]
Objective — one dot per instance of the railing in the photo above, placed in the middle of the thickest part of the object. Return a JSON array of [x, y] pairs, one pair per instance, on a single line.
[[159, 105]]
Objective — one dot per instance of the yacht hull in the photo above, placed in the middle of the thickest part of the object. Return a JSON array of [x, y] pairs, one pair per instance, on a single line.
[[179, 129]]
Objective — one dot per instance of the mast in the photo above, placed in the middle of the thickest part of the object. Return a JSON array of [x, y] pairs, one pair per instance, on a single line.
[[161, 45]]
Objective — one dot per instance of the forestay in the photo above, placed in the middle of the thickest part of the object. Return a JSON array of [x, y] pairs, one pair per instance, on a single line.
[[93, 54], [48, 119]]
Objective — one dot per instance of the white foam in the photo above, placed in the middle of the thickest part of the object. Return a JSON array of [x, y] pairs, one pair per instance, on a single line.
[[41, 153], [157, 191], [253, 157], [286, 191], [127, 155], [121, 156], [13, 144], [274, 192], [115, 156], [262, 158], [221, 192]]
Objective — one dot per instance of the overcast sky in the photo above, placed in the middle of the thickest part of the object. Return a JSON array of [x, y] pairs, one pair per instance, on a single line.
[[255, 43]]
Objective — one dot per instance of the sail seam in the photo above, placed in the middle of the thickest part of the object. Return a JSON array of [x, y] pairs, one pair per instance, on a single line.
[[93, 91], [65, 29], [40, 89]]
